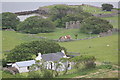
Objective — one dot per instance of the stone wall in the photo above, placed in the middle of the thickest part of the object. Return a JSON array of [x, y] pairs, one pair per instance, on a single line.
[[105, 15], [109, 32], [73, 25]]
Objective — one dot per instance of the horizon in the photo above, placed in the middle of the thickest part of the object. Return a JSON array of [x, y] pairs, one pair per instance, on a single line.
[[26, 6]]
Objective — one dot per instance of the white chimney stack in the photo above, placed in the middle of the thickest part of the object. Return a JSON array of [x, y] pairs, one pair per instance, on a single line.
[[63, 51], [38, 57], [64, 54]]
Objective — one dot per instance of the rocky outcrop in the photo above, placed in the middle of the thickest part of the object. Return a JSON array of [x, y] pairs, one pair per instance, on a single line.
[[38, 11]]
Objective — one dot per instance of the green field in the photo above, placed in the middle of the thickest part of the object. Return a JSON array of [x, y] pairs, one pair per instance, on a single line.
[[98, 45], [95, 10], [12, 38], [98, 48]]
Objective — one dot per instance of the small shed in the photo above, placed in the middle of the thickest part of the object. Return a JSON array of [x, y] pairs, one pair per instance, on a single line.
[[23, 65]]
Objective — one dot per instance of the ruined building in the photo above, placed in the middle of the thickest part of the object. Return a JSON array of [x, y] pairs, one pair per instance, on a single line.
[[73, 25]]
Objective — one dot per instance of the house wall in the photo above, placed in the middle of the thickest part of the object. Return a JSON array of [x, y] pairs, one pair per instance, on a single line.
[[61, 68], [23, 69]]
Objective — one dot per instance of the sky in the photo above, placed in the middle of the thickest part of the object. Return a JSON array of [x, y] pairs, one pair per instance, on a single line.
[[59, 0], [25, 6]]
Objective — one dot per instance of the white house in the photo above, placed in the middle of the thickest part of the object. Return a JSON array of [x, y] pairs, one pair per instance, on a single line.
[[49, 59]]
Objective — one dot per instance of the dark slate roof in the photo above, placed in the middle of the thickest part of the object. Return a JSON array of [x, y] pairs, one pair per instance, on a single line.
[[53, 56]]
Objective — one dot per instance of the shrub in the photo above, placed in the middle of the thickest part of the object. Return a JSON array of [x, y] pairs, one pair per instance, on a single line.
[[4, 62], [47, 74], [105, 66], [95, 25], [36, 24], [64, 13], [25, 51], [87, 61], [34, 75], [90, 64], [9, 20]]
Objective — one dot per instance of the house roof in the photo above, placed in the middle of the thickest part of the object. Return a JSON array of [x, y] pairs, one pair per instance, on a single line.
[[25, 63], [47, 57], [52, 56]]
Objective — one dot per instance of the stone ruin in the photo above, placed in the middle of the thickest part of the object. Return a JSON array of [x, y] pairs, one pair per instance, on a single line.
[[73, 25]]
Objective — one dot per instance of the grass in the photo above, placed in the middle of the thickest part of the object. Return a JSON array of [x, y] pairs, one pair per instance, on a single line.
[[78, 73], [98, 48], [12, 38], [95, 10], [62, 32], [98, 45], [104, 74]]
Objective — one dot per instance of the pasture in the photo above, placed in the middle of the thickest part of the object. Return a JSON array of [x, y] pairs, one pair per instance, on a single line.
[[96, 47], [95, 10], [12, 38]]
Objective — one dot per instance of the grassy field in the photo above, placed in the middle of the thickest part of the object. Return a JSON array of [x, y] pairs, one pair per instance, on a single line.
[[95, 10], [12, 38], [98, 48], [62, 32], [98, 45]]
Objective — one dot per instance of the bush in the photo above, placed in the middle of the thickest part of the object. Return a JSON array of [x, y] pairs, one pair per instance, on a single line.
[[36, 24], [25, 51], [4, 62], [34, 75], [9, 20], [87, 61], [64, 13], [95, 25], [105, 66], [90, 64], [47, 74]]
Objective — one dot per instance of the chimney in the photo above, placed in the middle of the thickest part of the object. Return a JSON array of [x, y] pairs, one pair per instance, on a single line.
[[64, 53], [38, 57]]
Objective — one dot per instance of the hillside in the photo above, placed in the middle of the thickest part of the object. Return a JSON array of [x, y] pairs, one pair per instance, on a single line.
[[104, 49]]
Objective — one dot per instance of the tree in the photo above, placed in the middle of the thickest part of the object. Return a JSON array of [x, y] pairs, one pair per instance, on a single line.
[[107, 7], [36, 24], [95, 25], [60, 14], [25, 51], [9, 20], [58, 11]]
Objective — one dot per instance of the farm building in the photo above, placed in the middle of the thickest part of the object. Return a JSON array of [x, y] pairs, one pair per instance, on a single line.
[[49, 59]]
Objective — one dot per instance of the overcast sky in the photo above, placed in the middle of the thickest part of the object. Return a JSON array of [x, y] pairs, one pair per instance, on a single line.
[[23, 6]]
